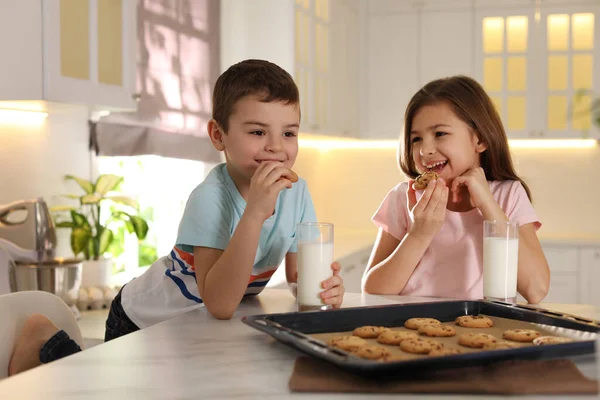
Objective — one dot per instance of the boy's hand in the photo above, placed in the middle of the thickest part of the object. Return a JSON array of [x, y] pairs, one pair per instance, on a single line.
[[334, 287], [428, 214], [269, 179]]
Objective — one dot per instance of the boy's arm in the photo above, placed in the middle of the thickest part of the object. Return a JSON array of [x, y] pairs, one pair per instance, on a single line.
[[291, 272], [222, 276]]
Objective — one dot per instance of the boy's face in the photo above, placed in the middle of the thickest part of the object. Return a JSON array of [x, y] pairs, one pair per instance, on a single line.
[[260, 132]]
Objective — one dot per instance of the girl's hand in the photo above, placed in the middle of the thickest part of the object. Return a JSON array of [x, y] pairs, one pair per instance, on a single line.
[[476, 183], [429, 213], [334, 287]]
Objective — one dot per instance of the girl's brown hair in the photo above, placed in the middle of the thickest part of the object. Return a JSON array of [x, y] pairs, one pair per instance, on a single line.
[[473, 106]]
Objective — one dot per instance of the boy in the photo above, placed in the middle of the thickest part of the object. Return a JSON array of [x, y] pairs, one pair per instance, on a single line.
[[237, 227], [240, 223]]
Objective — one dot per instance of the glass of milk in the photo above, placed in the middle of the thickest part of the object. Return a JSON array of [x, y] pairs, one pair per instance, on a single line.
[[500, 260], [315, 255]]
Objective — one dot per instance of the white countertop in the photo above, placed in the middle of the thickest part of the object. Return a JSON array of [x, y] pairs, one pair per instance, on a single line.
[[195, 356]]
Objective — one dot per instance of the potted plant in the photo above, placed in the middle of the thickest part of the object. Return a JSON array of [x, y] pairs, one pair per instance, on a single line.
[[91, 235]]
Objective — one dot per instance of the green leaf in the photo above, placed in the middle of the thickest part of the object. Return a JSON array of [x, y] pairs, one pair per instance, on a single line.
[[106, 183], [70, 196], [580, 93], [140, 226], [90, 199], [129, 226], [65, 224], [85, 184], [79, 240], [106, 238], [124, 200], [88, 252], [62, 208], [80, 221]]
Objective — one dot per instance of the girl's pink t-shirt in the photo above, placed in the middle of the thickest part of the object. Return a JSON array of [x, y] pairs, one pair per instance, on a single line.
[[452, 266]]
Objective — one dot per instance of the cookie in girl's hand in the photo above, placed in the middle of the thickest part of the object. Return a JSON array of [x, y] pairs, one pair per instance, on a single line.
[[422, 180]]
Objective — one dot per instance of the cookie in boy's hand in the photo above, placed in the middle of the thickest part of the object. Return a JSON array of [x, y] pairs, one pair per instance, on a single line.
[[292, 176], [423, 179]]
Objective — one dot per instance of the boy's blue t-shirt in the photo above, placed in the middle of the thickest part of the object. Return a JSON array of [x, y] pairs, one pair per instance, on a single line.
[[214, 209]]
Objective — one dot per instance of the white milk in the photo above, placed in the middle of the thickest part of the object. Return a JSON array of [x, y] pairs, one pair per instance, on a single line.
[[314, 266], [500, 262]]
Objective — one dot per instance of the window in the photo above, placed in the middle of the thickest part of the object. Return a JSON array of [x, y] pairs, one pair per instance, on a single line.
[[505, 67], [569, 45], [162, 187]]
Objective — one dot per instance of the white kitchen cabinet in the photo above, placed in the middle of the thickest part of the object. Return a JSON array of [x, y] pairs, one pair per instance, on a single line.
[[408, 45], [69, 51], [393, 71], [574, 272], [316, 41], [446, 44], [344, 117], [590, 263]]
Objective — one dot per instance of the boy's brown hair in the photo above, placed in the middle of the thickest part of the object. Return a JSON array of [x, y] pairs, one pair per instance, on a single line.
[[260, 78], [473, 106]]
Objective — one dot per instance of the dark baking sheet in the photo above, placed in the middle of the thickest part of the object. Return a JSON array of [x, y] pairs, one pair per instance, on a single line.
[[296, 330]]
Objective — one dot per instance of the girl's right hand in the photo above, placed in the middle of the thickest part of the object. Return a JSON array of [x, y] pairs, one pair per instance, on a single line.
[[269, 179], [428, 214]]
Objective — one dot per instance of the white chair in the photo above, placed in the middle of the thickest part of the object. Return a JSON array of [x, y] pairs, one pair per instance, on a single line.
[[15, 308]]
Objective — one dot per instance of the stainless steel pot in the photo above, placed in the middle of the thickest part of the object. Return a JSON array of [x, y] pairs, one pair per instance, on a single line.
[[59, 276]]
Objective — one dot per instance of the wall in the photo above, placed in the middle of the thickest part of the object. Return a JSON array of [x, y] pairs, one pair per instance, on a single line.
[[34, 159], [348, 185]]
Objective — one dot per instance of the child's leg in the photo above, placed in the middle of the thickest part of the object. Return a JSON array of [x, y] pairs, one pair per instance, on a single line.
[[39, 342], [118, 323]]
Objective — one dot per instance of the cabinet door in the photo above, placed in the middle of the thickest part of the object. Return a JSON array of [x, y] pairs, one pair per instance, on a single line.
[[392, 76], [21, 66], [564, 273], [446, 44], [506, 65], [313, 67], [345, 62], [569, 69], [590, 275], [90, 52]]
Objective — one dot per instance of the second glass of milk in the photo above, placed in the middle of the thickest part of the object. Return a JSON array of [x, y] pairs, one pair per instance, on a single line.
[[500, 260], [315, 255]]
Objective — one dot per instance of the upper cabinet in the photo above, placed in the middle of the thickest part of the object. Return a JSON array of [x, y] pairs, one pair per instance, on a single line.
[[326, 65], [316, 41], [69, 51], [410, 43], [541, 66]]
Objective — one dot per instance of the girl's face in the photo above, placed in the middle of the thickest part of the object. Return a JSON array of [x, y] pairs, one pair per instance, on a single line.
[[442, 142]]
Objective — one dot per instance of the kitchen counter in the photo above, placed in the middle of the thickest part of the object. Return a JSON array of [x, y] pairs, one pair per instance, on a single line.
[[195, 356]]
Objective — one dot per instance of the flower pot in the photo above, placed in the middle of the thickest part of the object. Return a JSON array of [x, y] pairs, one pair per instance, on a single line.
[[97, 272]]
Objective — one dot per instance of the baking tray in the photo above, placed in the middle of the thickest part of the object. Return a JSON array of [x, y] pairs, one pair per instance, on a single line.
[[296, 329]]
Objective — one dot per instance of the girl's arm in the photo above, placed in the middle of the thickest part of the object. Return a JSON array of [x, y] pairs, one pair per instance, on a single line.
[[392, 262], [533, 279]]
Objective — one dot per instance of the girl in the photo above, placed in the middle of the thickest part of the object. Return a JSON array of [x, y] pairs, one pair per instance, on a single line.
[[430, 242]]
